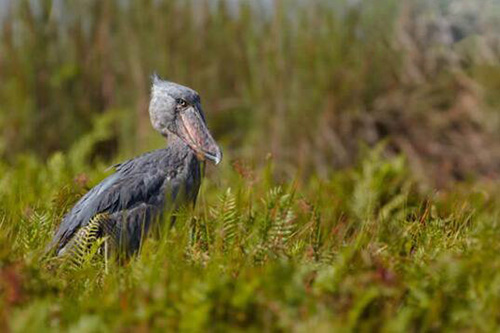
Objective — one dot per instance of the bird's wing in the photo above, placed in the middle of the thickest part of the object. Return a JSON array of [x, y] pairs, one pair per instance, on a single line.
[[123, 231], [136, 182]]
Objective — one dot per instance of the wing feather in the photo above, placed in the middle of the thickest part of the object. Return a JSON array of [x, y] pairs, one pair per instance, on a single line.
[[138, 181]]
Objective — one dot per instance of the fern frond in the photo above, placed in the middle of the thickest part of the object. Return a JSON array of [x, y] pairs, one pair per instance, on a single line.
[[282, 227], [226, 213], [229, 217], [33, 230], [279, 223], [272, 196], [282, 224], [89, 240]]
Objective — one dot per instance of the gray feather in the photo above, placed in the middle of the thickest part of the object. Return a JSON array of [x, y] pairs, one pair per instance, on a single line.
[[136, 194]]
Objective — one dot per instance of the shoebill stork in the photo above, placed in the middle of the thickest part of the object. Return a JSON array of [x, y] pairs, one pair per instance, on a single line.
[[130, 202]]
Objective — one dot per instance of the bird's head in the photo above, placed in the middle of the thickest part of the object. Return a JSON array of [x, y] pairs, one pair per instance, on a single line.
[[176, 110]]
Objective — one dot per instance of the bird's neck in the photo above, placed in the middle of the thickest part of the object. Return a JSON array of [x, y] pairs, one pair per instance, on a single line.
[[184, 153], [174, 143]]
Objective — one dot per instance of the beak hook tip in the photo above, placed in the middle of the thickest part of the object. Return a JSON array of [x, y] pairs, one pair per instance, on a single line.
[[218, 157]]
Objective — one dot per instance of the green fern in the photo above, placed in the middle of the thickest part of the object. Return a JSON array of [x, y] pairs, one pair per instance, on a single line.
[[283, 225], [279, 223], [270, 202], [33, 230], [90, 240], [226, 213], [272, 197]]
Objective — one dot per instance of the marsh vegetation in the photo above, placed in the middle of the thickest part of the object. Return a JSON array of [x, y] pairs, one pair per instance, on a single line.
[[358, 190]]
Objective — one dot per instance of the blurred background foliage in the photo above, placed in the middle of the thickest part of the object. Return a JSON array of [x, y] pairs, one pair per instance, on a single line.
[[308, 82]]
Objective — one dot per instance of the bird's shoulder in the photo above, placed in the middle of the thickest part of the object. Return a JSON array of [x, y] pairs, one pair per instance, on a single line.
[[133, 181]]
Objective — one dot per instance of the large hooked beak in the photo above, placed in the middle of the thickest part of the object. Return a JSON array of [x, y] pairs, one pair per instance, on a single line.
[[193, 130]]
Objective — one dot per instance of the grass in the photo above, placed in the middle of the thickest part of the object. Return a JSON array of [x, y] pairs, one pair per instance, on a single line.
[[360, 251], [357, 139]]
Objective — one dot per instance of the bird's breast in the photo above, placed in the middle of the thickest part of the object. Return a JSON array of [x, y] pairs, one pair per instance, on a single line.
[[181, 184]]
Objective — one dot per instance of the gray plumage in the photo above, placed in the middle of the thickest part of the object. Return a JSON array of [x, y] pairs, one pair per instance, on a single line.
[[142, 189]]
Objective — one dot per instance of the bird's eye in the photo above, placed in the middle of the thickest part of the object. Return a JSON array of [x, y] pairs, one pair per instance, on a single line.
[[182, 103]]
